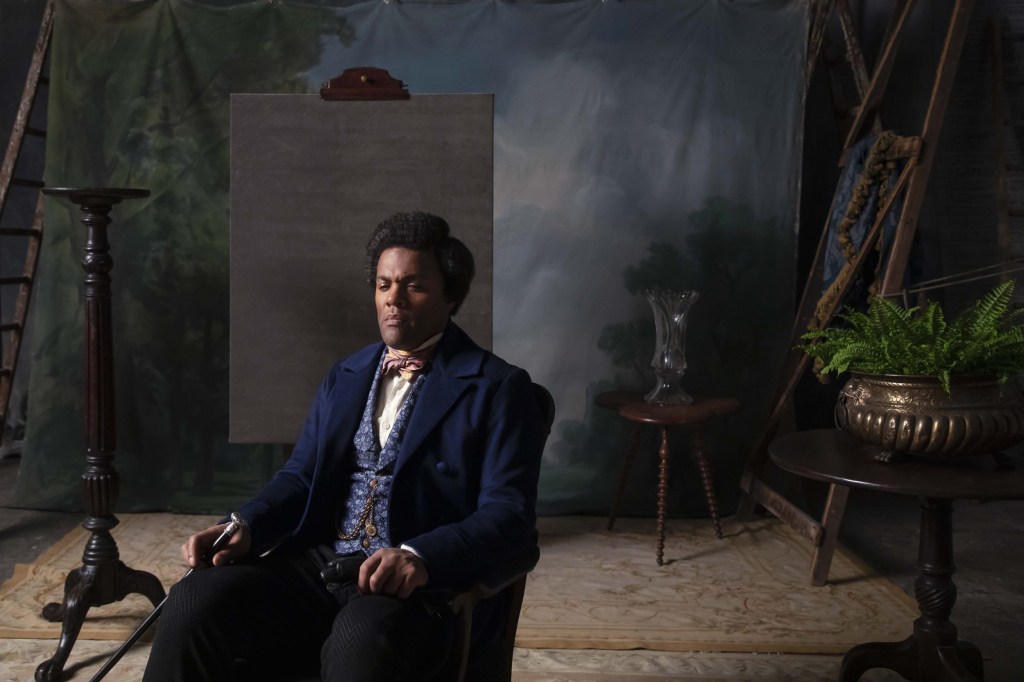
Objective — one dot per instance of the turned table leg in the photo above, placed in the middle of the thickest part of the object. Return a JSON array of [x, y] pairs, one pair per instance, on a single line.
[[662, 492], [933, 651], [665, 417], [634, 437], [706, 475]]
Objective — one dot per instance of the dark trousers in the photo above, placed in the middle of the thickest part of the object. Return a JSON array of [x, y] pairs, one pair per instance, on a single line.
[[274, 619]]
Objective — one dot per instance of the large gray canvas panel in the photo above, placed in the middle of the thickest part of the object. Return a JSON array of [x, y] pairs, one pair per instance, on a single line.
[[309, 181]]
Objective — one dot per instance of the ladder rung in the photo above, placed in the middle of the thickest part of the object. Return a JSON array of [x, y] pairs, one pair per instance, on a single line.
[[15, 327], [19, 232], [1016, 213], [24, 182], [1014, 167]]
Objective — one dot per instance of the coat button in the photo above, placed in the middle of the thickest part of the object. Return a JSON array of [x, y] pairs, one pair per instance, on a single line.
[[442, 467]]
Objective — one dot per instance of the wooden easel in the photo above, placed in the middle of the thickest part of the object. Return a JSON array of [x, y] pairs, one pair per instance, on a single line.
[[917, 154]]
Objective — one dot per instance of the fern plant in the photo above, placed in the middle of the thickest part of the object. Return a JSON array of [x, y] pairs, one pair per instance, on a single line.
[[986, 338]]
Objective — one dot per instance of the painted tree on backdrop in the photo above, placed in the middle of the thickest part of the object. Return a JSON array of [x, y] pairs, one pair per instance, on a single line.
[[733, 259], [161, 123]]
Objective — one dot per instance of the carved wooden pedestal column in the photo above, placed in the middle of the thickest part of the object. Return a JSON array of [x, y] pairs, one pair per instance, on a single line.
[[933, 651], [103, 578]]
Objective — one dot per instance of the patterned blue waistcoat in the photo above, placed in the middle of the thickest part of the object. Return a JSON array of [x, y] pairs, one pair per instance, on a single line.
[[362, 521]]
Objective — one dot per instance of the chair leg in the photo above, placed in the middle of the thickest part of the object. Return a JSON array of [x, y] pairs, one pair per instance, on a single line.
[[463, 608], [517, 592]]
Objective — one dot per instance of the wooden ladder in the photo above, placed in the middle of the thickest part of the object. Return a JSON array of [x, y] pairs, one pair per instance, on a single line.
[[916, 153], [28, 239]]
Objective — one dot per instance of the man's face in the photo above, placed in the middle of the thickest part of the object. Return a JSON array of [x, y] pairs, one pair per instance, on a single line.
[[411, 305]]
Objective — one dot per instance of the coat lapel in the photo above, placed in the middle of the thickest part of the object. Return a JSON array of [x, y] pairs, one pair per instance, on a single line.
[[457, 359], [351, 391]]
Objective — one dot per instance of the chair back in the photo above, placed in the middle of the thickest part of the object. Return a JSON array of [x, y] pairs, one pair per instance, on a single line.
[[547, 407], [517, 590], [512, 589]]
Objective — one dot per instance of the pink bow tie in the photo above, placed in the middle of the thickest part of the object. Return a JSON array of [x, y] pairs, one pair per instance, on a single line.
[[407, 364]]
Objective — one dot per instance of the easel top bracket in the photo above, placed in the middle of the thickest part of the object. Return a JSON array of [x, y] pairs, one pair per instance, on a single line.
[[363, 83]]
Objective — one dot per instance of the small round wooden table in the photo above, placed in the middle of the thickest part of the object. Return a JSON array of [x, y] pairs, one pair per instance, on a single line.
[[933, 652], [631, 405]]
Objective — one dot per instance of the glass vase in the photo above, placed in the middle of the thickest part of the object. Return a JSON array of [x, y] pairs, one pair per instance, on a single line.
[[671, 312]]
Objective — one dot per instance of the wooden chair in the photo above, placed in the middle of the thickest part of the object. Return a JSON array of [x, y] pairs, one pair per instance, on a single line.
[[508, 581]]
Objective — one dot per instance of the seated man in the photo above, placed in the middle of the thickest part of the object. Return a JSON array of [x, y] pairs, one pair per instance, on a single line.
[[419, 458]]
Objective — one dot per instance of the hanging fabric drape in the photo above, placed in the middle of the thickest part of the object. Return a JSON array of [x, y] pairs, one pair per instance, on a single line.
[[866, 180], [637, 142]]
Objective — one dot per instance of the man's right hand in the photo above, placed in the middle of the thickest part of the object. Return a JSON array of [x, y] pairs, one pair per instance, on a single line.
[[199, 544]]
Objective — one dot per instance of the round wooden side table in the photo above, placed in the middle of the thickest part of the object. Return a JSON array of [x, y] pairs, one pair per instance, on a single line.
[[933, 651], [631, 406]]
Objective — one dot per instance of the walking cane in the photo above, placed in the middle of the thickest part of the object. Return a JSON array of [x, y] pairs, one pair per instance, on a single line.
[[218, 544]]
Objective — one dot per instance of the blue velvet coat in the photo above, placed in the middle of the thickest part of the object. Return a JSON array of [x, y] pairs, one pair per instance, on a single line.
[[465, 482]]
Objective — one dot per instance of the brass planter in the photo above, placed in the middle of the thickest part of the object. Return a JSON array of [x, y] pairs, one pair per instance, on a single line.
[[914, 415]]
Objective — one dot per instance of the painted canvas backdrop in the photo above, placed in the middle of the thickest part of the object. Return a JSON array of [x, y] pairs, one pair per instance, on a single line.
[[637, 143]]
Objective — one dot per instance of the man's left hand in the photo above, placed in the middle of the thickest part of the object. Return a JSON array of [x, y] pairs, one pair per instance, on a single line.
[[392, 571]]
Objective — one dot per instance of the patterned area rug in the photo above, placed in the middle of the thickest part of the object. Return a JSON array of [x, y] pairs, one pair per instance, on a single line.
[[748, 592], [19, 658], [594, 592], [147, 542]]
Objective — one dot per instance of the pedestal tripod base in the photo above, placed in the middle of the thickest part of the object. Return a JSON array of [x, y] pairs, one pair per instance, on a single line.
[[915, 659], [87, 587], [933, 653]]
